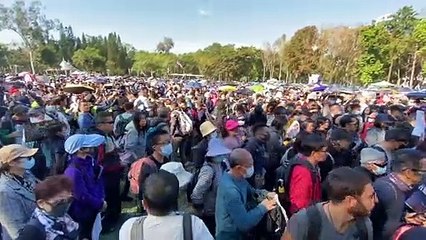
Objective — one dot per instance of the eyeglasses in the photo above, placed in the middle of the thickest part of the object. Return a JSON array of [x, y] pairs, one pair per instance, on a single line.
[[61, 201], [420, 171], [110, 122]]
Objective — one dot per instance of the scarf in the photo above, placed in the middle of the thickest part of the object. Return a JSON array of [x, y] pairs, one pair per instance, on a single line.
[[62, 227]]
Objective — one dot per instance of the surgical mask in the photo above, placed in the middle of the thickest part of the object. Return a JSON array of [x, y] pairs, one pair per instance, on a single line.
[[28, 163], [379, 171], [167, 150], [60, 210], [249, 172]]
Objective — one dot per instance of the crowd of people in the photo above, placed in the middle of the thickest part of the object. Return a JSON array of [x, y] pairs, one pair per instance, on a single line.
[[201, 163]]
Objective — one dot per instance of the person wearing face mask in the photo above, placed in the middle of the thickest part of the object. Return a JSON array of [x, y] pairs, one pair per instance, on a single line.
[[256, 145], [50, 220], [233, 219], [17, 201], [408, 169], [203, 196], [344, 216], [162, 150], [86, 175], [372, 163]]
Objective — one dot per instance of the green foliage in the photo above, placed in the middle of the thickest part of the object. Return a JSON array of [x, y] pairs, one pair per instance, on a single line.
[[89, 59]]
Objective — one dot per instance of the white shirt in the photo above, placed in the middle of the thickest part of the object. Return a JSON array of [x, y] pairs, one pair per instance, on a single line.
[[166, 228]]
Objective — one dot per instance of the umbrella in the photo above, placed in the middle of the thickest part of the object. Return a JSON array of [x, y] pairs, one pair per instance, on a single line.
[[417, 95], [257, 88], [193, 85], [227, 88], [245, 91], [382, 84], [74, 88], [319, 88]]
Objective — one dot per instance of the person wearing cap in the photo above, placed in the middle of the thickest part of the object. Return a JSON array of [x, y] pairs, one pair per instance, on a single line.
[[231, 136], [17, 199], [160, 194], [184, 178], [372, 163], [208, 131], [88, 191], [203, 196]]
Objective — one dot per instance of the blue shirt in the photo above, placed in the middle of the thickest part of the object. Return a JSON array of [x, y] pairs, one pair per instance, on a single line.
[[232, 216]]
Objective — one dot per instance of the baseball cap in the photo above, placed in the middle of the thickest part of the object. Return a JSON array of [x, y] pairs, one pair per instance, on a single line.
[[12, 152], [231, 125], [79, 141]]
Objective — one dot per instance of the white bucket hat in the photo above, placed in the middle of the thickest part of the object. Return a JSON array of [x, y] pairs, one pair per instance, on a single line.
[[177, 169]]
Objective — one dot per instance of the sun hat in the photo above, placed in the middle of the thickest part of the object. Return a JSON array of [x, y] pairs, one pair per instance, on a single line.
[[206, 128], [79, 141], [370, 155], [12, 152], [177, 169], [231, 125], [216, 147]]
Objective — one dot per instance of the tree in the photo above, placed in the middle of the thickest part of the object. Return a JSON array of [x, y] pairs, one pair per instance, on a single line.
[[28, 22], [166, 45], [89, 59]]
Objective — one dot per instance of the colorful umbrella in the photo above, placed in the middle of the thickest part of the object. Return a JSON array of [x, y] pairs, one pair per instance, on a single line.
[[227, 88], [77, 89], [257, 88]]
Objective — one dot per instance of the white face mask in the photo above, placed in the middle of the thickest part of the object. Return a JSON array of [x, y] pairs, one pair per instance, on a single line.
[[250, 172], [213, 134]]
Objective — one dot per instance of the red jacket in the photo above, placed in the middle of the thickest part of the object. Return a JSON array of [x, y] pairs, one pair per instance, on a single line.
[[303, 191]]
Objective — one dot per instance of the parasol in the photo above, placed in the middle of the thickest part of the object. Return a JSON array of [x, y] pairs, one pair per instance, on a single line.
[[245, 91], [382, 84], [319, 88], [77, 89], [193, 85], [257, 88], [417, 95], [227, 88]]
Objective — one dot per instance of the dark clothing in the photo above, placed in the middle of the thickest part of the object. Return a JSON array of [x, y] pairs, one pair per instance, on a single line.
[[199, 152], [341, 158], [388, 214], [259, 154], [371, 175]]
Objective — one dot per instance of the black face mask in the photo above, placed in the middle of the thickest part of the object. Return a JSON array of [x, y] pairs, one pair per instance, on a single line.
[[60, 209]]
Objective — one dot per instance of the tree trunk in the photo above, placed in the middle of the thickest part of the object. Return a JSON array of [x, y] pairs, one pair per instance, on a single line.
[[32, 61], [413, 69], [399, 77], [281, 69], [390, 71], [264, 73]]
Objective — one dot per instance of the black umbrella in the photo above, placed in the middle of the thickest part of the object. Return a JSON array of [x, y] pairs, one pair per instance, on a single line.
[[417, 95]]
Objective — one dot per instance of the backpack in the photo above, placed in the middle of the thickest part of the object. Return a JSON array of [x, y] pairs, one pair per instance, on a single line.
[[194, 180], [120, 129], [184, 122], [135, 172], [136, 231], [274, 223], [315, 225]]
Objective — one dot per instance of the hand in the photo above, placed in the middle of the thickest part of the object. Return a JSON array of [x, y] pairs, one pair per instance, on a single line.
[[271, 195], [269, 204], [104, 207], [415, 218]]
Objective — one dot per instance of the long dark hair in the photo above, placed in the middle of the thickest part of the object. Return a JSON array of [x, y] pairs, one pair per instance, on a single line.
[[136, 119]]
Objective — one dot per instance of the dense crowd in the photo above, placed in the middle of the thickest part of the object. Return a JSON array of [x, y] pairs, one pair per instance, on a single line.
[[203, 163]]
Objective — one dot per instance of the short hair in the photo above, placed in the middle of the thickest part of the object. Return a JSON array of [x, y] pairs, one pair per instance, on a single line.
[[345, 119], [52, 186], [128, 106], [322, 120], [258, 127], [340, 134], [345, 181], [235, 159], [157, 134], [311, 143], [406, 159], [160, 193], [101, 116], [397, 134]]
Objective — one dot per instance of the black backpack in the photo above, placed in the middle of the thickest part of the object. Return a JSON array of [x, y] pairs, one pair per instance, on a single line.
[[315, 225]]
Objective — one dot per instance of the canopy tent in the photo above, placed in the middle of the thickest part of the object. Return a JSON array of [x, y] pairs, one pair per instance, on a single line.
[[66, 66], [382, 84]]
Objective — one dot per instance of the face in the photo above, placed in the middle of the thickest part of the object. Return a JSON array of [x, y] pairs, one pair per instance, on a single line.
[[58, 205], [142, 122], [162, 141], [343, 144], [107, 125], [263, 134], [310, 127], [85, 106], [325, 126], [361, 206], [245, 165], [415, 176], [352, 126], [321, 155]]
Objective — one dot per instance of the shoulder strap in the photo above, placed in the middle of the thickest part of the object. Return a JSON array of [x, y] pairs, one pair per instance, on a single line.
[[314, 223], [187, 226], [362, 232], [136, 232]]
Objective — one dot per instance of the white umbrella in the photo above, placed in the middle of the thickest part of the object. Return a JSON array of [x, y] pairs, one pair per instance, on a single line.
[[382, 84]]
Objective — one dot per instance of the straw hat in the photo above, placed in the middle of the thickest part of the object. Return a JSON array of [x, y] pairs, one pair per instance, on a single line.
[[206, 128], [12, 152]]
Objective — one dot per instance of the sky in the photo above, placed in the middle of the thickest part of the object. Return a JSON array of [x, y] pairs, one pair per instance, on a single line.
[[195, 24]]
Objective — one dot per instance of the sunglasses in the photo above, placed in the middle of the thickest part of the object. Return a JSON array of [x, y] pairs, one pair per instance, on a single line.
[[110, 122]]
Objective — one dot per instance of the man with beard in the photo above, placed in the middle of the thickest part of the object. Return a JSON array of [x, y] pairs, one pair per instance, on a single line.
[[344, 216]]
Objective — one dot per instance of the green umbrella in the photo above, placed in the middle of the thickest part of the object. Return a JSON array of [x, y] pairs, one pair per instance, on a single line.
[[257, 88]]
